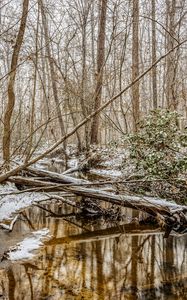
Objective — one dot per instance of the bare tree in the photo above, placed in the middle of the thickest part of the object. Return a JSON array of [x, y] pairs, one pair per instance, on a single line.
[[51, 66], [154, 73], [170, 62], [99, 75], [32, 118], [11, 84], [75, 61], [135, 65]]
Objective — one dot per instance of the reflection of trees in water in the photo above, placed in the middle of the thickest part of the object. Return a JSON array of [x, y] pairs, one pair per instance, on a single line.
[[134, 260], [172, 278], [152, 274], [134, 266], [27, 267], [50, 264], [100, 275], [99, 267], [12, 284]]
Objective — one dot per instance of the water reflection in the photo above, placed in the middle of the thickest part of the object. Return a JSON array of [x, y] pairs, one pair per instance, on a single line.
[[120, 262]]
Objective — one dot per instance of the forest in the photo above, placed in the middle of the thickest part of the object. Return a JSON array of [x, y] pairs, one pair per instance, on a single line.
[[93, 149]]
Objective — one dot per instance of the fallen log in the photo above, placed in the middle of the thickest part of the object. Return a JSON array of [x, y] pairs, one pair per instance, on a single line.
[[154, 207], [55, 176]]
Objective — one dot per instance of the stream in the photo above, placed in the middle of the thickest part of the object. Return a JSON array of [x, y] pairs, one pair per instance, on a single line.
[[92, 259]]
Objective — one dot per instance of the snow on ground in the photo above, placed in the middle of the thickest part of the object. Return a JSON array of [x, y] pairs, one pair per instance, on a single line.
[[7, 188], [115, 162], [106, 172], [73, 162], [12, 203], [24, 249]]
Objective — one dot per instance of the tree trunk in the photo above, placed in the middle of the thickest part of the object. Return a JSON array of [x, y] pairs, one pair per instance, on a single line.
[[135, 66], [51, 66], [99, 75], [11, 85], [145, 204], [154, 73], [33, 108], [84, 104], [170, 62]]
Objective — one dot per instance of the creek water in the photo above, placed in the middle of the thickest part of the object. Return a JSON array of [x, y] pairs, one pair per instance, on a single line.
[[94, 259]]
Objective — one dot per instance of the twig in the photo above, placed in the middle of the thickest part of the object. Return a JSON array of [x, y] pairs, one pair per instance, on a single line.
[[11, 226]]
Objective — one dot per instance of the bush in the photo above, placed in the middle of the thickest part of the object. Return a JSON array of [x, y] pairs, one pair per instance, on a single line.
[[155, 148]]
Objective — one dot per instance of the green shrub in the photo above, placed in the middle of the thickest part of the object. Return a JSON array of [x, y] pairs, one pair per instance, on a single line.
[[155, 148]]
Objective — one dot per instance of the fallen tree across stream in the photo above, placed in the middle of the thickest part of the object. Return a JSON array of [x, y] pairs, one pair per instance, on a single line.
[[163, 212]]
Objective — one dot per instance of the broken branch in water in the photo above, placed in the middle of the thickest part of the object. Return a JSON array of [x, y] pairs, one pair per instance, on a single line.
[[11, 226]]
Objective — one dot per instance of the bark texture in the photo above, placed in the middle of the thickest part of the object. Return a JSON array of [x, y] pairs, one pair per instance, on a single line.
[[11, 84], [99, 74], [135, 66], [51, 66], [154, 73], [171, 63]]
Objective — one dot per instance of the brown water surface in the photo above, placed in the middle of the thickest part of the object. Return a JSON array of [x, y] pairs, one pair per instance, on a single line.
[[102, 261], [94, 259]]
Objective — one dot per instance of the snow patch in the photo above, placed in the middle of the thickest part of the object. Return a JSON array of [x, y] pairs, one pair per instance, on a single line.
[[73, 163], [12, 203], [109, 173], [24, 249], [7, 188], [116, 162]]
